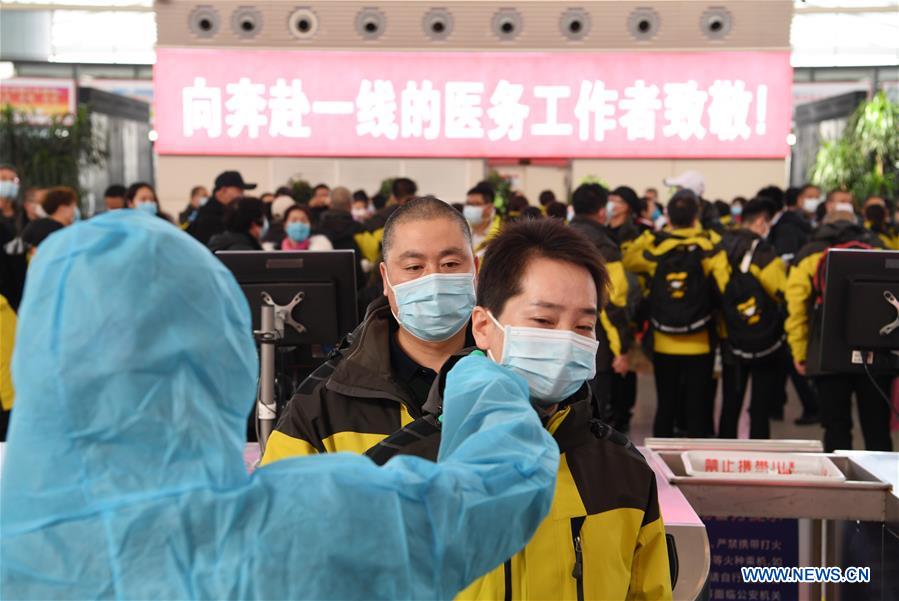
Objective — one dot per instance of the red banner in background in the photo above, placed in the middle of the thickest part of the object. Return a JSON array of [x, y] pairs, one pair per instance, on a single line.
[[530, 105]]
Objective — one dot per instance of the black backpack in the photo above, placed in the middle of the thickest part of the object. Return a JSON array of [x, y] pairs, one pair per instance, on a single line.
[[680, 295], [755, 324]]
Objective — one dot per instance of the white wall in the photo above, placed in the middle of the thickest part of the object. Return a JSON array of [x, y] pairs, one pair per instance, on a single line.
[[448, 179]]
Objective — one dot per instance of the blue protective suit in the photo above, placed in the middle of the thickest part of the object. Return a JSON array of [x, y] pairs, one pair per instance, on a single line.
[[123, 476]]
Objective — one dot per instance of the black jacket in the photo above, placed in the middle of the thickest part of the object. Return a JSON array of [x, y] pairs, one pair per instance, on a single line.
[[209, 222], [599, 235], [790, 234], [340, 228], [233, 241]]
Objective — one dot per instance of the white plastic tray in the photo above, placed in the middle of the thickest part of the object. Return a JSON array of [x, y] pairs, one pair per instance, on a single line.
[[748, 465]]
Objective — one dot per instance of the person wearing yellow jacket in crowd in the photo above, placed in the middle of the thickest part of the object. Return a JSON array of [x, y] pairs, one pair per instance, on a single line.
[[379, 381], [7, 342], [538, 293], [683, 264], [877, 220], [589, 203], [752, 322], [834, 391], [481, 216]]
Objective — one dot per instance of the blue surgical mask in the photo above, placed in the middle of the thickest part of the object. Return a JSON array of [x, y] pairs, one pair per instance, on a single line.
[[736, 210], [204, 200], [610, 209], [146, 207], [473, 215], [9, 189], [298, 231], [656, 214], [265, 226], [435, 307], [555, 363]]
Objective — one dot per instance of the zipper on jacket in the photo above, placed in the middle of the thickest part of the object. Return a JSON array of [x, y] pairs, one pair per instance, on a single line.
[[507, 572], [578, 572]]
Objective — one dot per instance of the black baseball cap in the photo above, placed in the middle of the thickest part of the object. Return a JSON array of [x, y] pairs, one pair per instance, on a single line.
[[227, 179]]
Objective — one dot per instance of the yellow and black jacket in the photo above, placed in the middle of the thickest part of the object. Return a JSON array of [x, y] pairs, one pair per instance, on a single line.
[[604, 537], [889, 236], [800, 293], [641, 258], [7, 342], [349, 403], [766, 267], [614, 320]]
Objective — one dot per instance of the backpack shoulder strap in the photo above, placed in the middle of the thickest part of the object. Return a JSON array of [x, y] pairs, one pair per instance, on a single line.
[[746, 262]]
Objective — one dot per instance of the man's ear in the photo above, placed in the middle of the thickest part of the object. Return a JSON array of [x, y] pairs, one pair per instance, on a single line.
[[383, 269], [482, 328]]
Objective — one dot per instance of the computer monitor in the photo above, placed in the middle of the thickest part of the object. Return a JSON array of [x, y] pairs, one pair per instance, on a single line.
[[855, 317], [327, 281]]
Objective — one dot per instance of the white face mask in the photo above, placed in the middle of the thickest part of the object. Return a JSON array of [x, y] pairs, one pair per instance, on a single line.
[[360, 214], [555, 363], [810, 205], [844, 207], [473, 215]]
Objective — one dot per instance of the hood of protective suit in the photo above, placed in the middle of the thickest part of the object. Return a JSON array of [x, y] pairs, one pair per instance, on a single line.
[[118, 404]]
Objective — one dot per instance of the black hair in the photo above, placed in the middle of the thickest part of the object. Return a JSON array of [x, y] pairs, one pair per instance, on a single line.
[[509, 253], [546, 197], [774, 194], [722, 207], [115, 191], [518, 203], [402, 188], [321, 187], [557, 209], [531, 213], [424, 208], [58, 197], [588, 199], [302, 208], [756, 207], [485, 189], [360, 195], [791, 197], [877, 216], [134, 188], [241, 214], [683, 208], [379, 201], [629, 196], [283, 191]]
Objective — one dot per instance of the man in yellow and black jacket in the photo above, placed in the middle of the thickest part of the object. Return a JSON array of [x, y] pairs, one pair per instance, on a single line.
[[752, 308], [615, 334], [604, 538], [803, 302], [685, 268], [378, 382]]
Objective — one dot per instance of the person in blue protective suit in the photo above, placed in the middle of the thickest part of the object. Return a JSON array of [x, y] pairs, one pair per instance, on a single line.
[[123, 475]]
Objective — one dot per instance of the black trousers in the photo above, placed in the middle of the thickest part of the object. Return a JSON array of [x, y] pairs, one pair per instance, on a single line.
[[684, 386], [804, 389], [624, 398], [766, 381], [835, 398]]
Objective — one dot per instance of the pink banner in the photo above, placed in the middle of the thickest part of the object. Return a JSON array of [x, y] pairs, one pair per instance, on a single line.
[[528, 105]]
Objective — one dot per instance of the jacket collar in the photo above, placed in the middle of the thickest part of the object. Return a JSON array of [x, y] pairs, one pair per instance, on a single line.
[[365, 371]]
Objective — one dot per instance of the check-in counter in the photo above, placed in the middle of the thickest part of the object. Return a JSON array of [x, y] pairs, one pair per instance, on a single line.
[[689, 533], [864, 494]]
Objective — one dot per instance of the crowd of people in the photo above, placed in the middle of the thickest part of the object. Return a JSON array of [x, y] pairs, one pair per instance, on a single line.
[[710, 292], [564, 296]]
